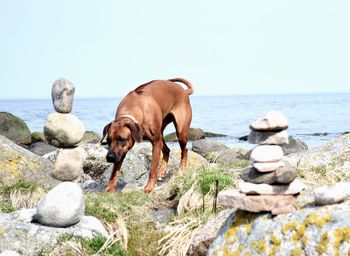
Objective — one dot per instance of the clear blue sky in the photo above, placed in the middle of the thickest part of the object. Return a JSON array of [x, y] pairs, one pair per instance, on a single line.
[[108, 47]]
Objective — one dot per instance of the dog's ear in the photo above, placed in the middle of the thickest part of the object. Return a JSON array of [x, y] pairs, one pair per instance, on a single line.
[[105, 131], [136, 131]]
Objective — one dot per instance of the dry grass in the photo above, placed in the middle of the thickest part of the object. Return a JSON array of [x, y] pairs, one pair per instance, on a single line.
[[117, 232], [26, 199]]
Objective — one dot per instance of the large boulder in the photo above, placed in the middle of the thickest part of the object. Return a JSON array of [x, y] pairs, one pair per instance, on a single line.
[[310, 231], [63, 206], [62, 95], [294, 146], [41, 148], [193, 134], [205, 146], [17, 163], [20, 234], [63, 130], [14, 129]]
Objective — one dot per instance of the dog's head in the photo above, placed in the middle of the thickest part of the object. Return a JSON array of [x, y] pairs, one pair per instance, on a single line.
[[121, 137]]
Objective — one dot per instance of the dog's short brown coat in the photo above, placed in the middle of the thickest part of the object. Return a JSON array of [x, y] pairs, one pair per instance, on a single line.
[[143, 114]]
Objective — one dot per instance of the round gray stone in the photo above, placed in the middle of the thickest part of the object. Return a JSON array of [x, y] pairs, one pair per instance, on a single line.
[[62, 95]]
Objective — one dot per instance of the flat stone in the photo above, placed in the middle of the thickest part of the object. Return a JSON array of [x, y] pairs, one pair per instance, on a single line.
[[283, 210], [337, 193], [266, 153], [275, 138], [283, 175], [268, 167], [272, 121], [265, 189], [62, 95], [261, 203]]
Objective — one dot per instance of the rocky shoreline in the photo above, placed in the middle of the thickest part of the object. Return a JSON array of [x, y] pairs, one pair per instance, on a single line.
[[64, 178]]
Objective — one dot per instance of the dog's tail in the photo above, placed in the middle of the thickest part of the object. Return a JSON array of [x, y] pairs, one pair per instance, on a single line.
[[190, 88]]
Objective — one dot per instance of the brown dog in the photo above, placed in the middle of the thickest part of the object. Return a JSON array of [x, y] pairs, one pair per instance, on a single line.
[[143, 114]]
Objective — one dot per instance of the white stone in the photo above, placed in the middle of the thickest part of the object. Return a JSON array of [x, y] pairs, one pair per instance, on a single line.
[[69, 164], [62, 95], [332, 194], [63, 206], [63, 130], [272, 121], [293, 188], [266, 153], [275, 138], [268, 167]]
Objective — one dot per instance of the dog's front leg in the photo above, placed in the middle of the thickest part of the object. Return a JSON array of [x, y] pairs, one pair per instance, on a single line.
[[154, 167], [114, 176]]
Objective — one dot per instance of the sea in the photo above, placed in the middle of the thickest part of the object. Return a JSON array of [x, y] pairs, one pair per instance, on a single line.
[[313, 118]]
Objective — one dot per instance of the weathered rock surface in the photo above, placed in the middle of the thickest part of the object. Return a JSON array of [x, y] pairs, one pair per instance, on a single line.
[[272, 138], [203, 238], [20, 234], [266, 153], [205, 146], [253, 203], [332, 194], [95, 163], [91, 137], [69, 164], [294, 146], [268, 167], [17, 163], [14, 128], [310, 231], [284, 175], [265, 189], [63, 206], [41, 148], [38, 137], [63, 130], [62, 95], [193, 134], [272, 121], [226, 156]]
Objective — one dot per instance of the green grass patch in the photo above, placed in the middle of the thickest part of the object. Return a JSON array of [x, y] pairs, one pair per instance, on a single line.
[[6, 206], [209, 177], [24, 186], [92, 246]]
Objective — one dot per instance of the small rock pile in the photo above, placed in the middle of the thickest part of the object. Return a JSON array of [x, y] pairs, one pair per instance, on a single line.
[[269, 184], [64, 130]]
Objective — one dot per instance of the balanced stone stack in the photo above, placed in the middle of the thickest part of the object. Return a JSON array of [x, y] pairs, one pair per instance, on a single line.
[[269, 184], [64, 130]]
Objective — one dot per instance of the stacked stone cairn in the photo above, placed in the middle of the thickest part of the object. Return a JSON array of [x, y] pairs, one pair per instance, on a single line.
[[64, 130], [269, 185]]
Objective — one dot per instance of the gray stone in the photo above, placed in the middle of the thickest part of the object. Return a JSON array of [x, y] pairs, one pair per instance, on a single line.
[[95, 163], [294, 146], [266, 153], [63, 130], [268, 167], [334, 194], [14, 128], [205, 146], [283, 175], [62, 95], [9, 253], [63, 206], [41, 148], [274, 138], [226, 157], [17, 163], [308, 231], [295, 187], [193, 134], [91, 137], [38, 137], [272, 121], [69, 164]]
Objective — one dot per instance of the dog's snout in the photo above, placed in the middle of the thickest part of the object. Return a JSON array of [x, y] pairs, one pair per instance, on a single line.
[[111, 157]]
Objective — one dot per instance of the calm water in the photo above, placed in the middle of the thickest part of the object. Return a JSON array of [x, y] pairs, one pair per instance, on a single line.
[[231, 115]]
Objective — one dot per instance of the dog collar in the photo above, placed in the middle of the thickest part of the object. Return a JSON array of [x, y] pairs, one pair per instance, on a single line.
[[130, 117]]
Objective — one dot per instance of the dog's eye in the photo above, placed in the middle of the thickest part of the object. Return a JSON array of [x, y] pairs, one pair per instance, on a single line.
[[121, 141]]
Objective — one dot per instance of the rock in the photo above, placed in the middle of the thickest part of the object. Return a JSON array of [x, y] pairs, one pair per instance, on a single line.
[[294, 146], [14, 129], [62, 95], [95, 163], [193, 134], [282, 175], [63, 206], [272, 121], [162, 217], [266, 153], [136, 166], [337, 193], [29, 238], [41, 148], [225, 157], [268, 167], [283, 210], [91, 137], [17, 163], [63, 130], [214, 135], [310, 231], [203, 238], [295, 187], [205, 146], [253, 203], [38, 137], [69, 164], [275, 138], [9, 253]]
